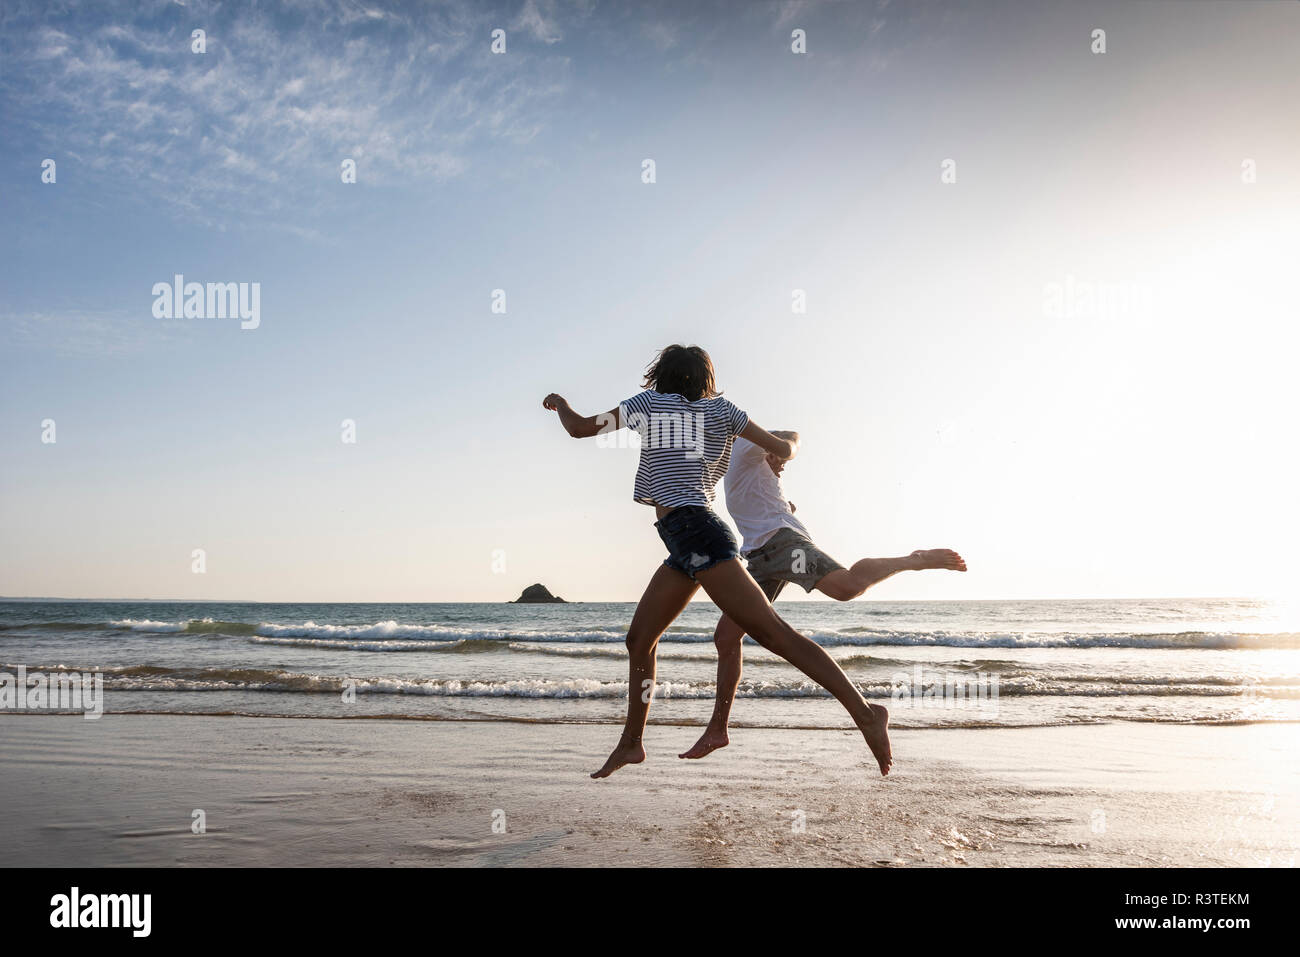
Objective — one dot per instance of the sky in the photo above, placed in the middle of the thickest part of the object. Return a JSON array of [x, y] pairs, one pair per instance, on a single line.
[[1049, 301]]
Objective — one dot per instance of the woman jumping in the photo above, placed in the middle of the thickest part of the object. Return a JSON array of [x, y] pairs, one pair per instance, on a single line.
[[687, 430]]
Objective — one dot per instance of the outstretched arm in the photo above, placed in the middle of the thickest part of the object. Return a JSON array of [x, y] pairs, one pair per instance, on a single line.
[[581, 426], [783, 445]]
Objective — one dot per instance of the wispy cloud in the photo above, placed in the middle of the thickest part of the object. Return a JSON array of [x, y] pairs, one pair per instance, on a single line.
[[254, 125], [537, 17], [73, 333], [788, 11], [253, 131]]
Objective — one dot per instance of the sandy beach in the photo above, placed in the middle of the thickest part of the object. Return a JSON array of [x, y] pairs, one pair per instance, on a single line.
[[123, 790]]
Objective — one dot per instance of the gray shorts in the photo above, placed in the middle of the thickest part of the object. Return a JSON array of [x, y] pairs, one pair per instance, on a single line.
[[788, 557]]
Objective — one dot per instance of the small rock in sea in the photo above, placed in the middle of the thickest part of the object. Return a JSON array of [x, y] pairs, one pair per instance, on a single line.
[[538, 594]]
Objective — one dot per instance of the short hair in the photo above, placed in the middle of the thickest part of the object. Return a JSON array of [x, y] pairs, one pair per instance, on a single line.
[[684, 370]]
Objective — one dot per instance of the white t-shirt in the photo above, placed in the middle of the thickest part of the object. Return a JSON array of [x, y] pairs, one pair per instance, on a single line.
[[755, 498], [685, 446]]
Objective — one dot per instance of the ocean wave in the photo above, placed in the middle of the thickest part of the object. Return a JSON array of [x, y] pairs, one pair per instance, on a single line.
[[980, 639], [351, 637], [419, 637], [392, 635], [438, 646], [133, 624], [193, 626], [252, 679], [601, 650], [53, 626]]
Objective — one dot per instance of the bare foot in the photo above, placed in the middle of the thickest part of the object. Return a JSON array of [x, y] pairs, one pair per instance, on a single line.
[[625, 753], [875, 728], [709, 742], [938, 558]]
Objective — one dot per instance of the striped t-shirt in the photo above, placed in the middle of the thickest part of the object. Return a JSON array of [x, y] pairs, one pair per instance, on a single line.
[[685, 446]]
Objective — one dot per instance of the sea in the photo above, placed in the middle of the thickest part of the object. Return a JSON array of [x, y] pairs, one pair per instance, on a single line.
[[935, 664]]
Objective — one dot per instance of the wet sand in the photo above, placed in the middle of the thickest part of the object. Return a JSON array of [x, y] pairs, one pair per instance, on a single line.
[[308, 792]]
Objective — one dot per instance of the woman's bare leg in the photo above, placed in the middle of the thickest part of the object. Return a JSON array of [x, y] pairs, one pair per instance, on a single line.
[[844, 584], [665, 597], [738, 595], [726, 638]]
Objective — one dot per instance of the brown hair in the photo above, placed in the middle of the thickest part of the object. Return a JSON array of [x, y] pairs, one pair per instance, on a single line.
[[684, 370]]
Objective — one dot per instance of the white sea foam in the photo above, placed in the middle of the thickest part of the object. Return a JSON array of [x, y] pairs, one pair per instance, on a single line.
[[274, 680], [393, 635], [146, 625]]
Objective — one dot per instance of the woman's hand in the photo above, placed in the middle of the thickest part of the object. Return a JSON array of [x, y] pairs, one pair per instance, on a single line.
[[580, 427]]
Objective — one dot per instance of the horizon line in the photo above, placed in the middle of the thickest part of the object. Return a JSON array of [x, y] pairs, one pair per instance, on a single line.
[[259, 601]]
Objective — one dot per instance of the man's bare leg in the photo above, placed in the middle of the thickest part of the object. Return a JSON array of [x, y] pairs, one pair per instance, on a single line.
[[665, 597], [844, 584], [727, 639], [739, 597]]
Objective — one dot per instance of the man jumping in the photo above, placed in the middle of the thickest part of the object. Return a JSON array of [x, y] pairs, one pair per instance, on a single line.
[[778, 550]]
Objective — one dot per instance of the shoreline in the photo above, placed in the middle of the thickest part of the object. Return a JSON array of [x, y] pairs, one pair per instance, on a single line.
[[348, 792], [615, 722]]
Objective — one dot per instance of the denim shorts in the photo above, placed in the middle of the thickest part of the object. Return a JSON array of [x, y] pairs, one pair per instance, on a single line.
[[696, 538]]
